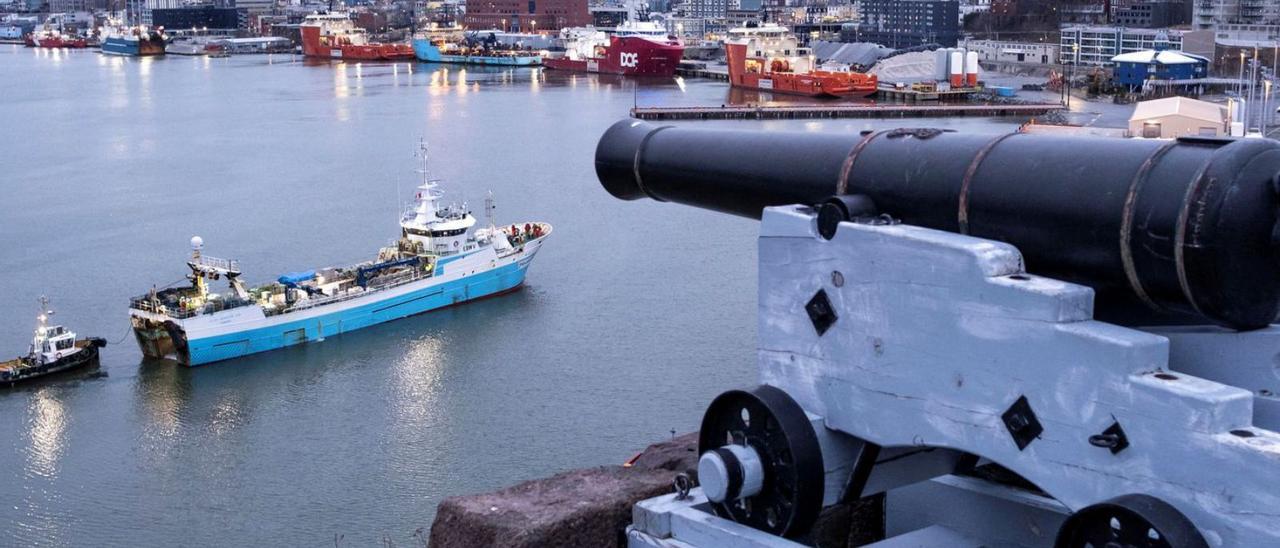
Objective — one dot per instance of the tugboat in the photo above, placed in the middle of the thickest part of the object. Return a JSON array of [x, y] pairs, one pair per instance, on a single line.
[[441, 259], [53, 349]]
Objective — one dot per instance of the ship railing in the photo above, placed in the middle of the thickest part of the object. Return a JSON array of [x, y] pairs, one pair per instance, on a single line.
[[227, 265], [147, 303], [381, 283]]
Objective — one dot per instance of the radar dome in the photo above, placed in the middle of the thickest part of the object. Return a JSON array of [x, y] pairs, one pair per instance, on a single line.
[[197, 242]]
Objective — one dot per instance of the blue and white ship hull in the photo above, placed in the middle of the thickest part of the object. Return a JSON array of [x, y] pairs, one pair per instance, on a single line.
[[144, 43], [244, 330], [424, 50]]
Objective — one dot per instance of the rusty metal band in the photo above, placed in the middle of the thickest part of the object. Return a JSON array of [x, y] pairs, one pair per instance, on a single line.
[[842, 184], [1126, 223], [962, 213], [1180, 235], [635, 163]]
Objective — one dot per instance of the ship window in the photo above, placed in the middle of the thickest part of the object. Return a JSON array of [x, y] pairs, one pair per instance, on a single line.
[[64, 344]]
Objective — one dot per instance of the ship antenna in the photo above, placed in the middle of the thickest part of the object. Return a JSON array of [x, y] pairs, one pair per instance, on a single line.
[[489, 206], [44, 310]]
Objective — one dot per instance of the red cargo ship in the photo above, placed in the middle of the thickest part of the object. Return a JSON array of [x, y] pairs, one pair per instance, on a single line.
[[332, 35], [633, 49], [793, 75]]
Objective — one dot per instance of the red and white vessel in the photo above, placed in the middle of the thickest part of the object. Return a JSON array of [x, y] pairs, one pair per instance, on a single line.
[[54, 38], [633, 49], [332, 35], [769, 58]]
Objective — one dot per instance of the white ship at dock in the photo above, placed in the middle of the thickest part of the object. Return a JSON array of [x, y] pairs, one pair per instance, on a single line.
[[441, 259]]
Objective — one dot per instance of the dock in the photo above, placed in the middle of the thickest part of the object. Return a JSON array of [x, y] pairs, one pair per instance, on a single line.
[[845, 110]]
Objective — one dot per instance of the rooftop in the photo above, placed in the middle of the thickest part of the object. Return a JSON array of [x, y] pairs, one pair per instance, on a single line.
[[1181, 106], [1163, 57]]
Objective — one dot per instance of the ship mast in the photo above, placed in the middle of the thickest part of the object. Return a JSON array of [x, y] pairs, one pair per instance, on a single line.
[[42, 322], [489, 206]]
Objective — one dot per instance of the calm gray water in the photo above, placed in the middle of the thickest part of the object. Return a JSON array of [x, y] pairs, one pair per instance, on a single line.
[[634, 314]]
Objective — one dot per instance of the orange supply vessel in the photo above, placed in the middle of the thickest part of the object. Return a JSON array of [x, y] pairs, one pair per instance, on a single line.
[[769, 57], [332, 35]]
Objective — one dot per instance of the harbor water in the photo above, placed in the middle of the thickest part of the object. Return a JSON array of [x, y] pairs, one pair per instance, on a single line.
[[633, 317]]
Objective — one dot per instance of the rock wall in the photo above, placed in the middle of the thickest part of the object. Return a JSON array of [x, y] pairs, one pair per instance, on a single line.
[[589, 507]]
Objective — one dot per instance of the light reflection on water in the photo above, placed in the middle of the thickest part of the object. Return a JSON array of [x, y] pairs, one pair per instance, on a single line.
[[48, 421]]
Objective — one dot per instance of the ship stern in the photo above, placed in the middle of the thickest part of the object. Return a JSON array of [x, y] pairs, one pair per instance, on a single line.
[[159, 337]]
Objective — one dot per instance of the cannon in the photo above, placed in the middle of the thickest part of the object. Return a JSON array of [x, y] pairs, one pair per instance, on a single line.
[[1185, 228], [996, 340]]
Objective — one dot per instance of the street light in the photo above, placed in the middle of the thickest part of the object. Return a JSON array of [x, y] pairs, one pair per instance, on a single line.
[[1266, 100]]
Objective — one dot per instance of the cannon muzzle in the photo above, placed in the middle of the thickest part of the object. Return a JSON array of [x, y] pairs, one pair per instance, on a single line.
[[1187, 226]]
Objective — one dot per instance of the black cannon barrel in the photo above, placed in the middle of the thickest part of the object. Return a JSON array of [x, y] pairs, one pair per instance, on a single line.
[[1184, 226]]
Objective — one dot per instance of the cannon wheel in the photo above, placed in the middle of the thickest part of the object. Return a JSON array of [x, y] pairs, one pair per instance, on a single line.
[[768, 420], [1139, 521]]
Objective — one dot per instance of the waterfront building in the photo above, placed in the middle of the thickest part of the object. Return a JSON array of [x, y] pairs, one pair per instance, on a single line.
[[1014, 52], [1090, 12], [1150, 13], [203, 17], [526, 15], [907, 23], [1174, 117], [743, 17], [1239, 20], [706, 9], [607, 16], [968, 7], [1134, 68], [1096, 45]]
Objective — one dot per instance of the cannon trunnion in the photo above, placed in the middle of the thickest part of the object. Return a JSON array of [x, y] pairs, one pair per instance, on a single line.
[[905, 352]]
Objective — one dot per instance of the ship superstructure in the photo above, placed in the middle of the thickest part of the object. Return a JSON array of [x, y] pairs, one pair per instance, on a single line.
[[440, 259]]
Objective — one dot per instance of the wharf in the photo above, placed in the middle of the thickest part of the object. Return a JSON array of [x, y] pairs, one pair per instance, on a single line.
[[698, 69], [844, 110]]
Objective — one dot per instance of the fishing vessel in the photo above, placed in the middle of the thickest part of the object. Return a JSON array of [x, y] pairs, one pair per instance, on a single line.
[[440, 259], [769, 58], [639, 48], [333, 35], [137, 41], [475, 49], [53, 349]]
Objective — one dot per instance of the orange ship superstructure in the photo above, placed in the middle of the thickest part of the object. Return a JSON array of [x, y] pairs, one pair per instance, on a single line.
[[769, 58], [332, 35]]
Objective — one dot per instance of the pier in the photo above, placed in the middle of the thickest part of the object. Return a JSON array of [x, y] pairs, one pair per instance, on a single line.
[[843, 110]]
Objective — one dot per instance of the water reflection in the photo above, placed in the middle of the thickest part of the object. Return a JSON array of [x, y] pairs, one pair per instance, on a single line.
[[47, 435]]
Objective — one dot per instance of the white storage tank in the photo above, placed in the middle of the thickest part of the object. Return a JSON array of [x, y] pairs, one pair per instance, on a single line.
[[971, 69], [956, 69]]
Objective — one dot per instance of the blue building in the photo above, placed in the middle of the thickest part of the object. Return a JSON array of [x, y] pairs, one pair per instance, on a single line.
[[1134, 68]]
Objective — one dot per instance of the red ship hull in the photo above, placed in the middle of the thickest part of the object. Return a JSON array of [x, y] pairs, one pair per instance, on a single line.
[[60, 42], [811, 84], [627, 55], [314, 44]]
